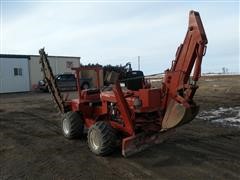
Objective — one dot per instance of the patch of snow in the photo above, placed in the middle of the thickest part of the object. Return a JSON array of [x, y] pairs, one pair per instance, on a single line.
[[227, 116]]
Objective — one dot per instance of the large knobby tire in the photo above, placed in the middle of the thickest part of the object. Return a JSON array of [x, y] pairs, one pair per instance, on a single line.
[[72, 125], [101, 138]]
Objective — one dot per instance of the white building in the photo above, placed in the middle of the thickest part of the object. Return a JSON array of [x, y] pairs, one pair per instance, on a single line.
[[19, 73]]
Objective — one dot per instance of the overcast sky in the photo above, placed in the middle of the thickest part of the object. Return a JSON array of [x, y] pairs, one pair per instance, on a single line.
[[115, 33]]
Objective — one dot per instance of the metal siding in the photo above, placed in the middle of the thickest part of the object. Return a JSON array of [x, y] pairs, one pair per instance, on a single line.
[[9, 82], [35, 72]]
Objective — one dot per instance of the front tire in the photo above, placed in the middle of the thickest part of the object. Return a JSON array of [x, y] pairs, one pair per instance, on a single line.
[[72, 125], [101, 138]]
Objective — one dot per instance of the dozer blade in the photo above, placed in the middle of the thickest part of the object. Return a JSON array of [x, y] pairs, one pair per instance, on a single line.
[[142, 141], [176, 115]]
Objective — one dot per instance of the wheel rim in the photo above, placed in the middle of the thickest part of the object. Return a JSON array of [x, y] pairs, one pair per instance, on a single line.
[[66, 126], [94, 140]]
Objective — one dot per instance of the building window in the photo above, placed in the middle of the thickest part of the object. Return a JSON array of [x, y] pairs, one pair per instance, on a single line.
[[17, 71]]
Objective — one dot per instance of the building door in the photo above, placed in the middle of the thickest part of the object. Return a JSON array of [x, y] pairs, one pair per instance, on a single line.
[[14, 75]]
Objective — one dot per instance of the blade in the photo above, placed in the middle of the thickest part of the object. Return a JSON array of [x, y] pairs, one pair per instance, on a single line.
[[140, 142]]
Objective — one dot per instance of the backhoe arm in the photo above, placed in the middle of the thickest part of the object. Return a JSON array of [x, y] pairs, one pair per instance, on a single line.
[[189, 53], [178, 89], [192, 49]]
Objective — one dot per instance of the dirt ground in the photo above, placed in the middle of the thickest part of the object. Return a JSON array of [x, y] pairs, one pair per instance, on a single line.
[[32, 147]]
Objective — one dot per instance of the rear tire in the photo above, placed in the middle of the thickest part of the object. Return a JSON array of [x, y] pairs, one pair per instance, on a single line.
[[101, 138], [72, 125]]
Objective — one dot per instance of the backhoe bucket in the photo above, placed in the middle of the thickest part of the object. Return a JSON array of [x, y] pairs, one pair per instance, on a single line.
[[177, 114], [139, 142]]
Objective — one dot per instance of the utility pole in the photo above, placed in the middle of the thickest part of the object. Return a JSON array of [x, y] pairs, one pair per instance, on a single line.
[[138, 62]]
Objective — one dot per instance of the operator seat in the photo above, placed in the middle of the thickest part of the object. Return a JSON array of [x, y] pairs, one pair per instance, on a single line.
[[134, 80]]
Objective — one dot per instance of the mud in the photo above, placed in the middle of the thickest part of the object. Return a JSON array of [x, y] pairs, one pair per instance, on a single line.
[[32, 147]]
